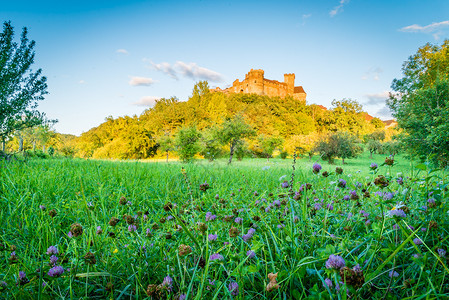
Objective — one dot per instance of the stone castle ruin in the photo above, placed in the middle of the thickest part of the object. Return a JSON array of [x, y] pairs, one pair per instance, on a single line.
[[255, 83]]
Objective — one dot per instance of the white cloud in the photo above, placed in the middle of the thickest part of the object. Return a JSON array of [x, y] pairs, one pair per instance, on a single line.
[[194, 71], [377, 98], [141, 81], [189, 70], [339, 8], [81, 81], [122, 51], [147, 101], [166, 68], [384, 113], [305, 17], [435, 28]]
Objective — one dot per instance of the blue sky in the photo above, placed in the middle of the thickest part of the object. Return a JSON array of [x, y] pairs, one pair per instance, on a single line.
[[113, 58]]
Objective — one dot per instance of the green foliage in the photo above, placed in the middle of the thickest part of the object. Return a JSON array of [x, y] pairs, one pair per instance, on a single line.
[[20, 87], [211, 148], [187, 143], [232, 133], [421, 102], [377, 123], [267, 144], [339, 144]]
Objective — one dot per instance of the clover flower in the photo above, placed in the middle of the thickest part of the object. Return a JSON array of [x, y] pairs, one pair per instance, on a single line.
[[53, 259], [341, 183], [52, 250], [56, 271], [210, 216], [393, 273], [441, 252], [417, 241], [397, 213], [238, 220], [233, 288], [373, 166], [132, 228], [327, 283], [212, 237], [400, 181], [216, 256], [316, 168], [252, 254], [335, 262], [23, 278], [167, 283]]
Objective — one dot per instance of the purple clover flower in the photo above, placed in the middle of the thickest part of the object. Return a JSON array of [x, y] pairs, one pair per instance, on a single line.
[[335, 262], [342, 183], [316, 168], [233, 287], [42, 207], [327, 283], [238, 220], [373, 166], [210, 216], [417, 241], [400, 181], [285, 184], [216, 256], [132, 228], [212, 237], [393, 273], [441, 253], [398, 213], [56, 271], [52, 250], [252, 254], [53, 259], [167, 282]]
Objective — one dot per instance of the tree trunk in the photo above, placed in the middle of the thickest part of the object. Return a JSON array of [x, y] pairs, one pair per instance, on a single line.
[[330, 161], [34, 146], [43, 148], [231, 153], [167, 155], [3, 145], [268, 157], [310, 157], [20, 144], [371, 155], [343, 160]]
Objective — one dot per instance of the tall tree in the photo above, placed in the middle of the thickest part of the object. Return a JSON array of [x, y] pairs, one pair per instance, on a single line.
[[421, 102], [20, 87], [232, 133]]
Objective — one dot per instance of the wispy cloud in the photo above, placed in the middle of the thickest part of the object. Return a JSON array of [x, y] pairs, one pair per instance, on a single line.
[[147, 101], [82, 81], [305, 17], [339, 8], [377, 98], [141, 81], [384, 113], [436, 29], [372, 73], [122, 51], [189, 70]]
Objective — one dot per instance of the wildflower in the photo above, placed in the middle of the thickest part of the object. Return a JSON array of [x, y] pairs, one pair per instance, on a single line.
[[346, 197], [277, 203], [431, 202], [56, 271], [52, 213], [317, 206], [353, 195], [417, 241], [13, 258], [316, 168], [330, 206], [234, 232], [170, 217], [168, 206], [393, 274], [53, 259], [115, 251], [23, 278], [339, 170], [212, 237], [381, 181], [238, 220], [388, 196], [90, 258], [368, 222], [285, 184], [202, 227], [273, 283], [373, 166], [211, 284], [325, 174], [167, 283], [182, 297], [210, 216], [3, 285], [216, 256], [42, 207], [52, 250], [389, 161], [327, 283], [113, 221], [252, 254], [204, 186], [132, 228], [397, 213], [233, 288], [400, 181], [335, 262], [184, 249], [441, 253], [341, 183], [76, 229]]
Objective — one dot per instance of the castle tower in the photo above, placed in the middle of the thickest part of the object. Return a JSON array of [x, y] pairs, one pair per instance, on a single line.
[[254, 82], [289, 79]]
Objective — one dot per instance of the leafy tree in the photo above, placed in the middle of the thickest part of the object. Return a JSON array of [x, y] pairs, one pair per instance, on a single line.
[[211, 147], [377, 123], [391, 147], [302, 144], [420, 102], [232, 133], [166, 144], [373, 141], [20, 87], [187, 143], [338, 144], [267, 144]]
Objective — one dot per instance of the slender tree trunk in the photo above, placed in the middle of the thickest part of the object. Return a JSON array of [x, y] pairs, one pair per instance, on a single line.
[[34, 146], [3, 145], [20, 144], [43, 148], [342, 160], [330, 161], [231, 153], [371, 155], [310, 158], [268, 157], [167, 155]]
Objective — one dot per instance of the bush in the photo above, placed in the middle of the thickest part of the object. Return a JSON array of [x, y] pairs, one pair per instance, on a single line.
[[187, 143]]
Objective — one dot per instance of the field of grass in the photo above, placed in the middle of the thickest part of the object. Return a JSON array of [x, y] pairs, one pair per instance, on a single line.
[[86, 229]]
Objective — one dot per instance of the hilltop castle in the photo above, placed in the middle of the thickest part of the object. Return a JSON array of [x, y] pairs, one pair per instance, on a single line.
[[255, 83]]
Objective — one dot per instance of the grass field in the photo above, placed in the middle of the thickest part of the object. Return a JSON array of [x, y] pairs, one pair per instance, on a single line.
[[110, 229]]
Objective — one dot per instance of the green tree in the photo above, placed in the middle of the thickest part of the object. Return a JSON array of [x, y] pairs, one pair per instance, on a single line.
[[377, 123], [232, 133], [20, 87], [211, 148], [338, 144], [166, 144], [187, 143], [373, 141], [420, 102], [267, 144]]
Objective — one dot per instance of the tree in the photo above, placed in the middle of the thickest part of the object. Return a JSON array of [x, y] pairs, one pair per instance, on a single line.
[[420, 102], [338, 144], [166, 144], [232, 133], [267, 144], [20, 87], [377, 123], [187, 143], [211, 147], [373, 141]]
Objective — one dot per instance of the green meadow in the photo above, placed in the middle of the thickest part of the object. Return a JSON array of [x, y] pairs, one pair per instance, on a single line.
[[256, 229]]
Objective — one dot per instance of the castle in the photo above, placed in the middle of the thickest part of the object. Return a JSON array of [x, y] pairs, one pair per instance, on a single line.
[[255, 83]]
